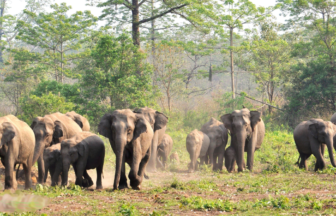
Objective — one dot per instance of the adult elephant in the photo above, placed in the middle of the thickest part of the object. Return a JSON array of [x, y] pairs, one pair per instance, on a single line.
[[218, 136], [17, 143], [83, 151], [247, 131], [80, 120], [310, 137], [158, 122], [130, 136], [48, 130]]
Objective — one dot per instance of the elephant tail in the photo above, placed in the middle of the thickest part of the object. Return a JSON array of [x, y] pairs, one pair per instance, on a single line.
[[298, 161]]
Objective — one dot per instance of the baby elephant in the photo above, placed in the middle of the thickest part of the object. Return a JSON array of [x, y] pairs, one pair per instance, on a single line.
[[51, 156], [164, 150], [83, 151], [197, 146]]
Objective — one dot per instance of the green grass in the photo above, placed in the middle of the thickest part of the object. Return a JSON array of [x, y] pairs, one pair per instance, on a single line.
[[275, 187]]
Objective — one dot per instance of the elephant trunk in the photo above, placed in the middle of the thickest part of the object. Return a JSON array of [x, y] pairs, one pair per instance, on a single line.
[[329, 144], [241, 137], [39, 148], [119, 152], [46, 169], [57, 172], [66, 166]]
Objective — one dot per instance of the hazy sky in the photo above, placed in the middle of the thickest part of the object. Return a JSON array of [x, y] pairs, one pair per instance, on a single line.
[[79, 5]]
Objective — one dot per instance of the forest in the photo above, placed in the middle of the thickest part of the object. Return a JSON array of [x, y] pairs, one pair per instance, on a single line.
[[191, 60]]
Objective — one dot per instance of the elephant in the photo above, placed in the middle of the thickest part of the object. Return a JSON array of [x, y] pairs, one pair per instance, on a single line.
[[51, 156], [17, 143], [80, 120], [155, 118], [197, 145], [311, 137], [230, 159], [247, 131], [130, 136], [164, 150], [218, 136], [83, 151], [49, 130]]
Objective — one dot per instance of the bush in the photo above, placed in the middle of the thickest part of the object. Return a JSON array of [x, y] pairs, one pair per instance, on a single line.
[[33, 106]]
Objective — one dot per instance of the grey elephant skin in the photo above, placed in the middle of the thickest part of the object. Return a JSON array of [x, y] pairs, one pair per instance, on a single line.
[[218, 136], [17, 143], [310, 137], [80, 120], [51, 156], [197, 144], [247, 131], [164, 150], [48, 130], [158, 122], [130, 136], [83, 151]]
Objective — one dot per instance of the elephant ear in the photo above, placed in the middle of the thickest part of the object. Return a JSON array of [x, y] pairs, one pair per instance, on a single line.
[[140, 127], [313, 129], [78, 120], [227, 121], [104, 127], [81, 149], [160, 121], [58, 129], [8, 133], [35, 121], [255, 118]]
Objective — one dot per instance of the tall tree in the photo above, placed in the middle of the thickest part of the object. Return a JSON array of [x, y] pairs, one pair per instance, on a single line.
[[234, 15], [125, 11], [59, 35], [268, 59]]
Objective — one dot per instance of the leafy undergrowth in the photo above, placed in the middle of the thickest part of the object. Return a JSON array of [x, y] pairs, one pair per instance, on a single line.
[[276, 186]]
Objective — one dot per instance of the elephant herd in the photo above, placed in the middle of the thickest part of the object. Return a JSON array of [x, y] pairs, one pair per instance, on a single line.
[[247, 132], [138, 138]]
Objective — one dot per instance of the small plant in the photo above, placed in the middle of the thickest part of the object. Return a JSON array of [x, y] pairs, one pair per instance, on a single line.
[[128, 210]]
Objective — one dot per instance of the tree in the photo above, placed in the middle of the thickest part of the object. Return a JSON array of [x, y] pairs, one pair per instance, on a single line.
[[269, 58], [111, 75], [313, 77], [20, 74], [125, 11], [59, 35], [169, 67], [234, 15]]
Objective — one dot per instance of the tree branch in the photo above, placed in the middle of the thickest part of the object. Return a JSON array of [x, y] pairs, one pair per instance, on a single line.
[[161, 14]]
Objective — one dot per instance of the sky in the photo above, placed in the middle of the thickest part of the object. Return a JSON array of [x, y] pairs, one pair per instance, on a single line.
[[16, 6]]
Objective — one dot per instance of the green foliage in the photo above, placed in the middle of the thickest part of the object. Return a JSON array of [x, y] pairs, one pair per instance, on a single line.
[[206, 204], [59, 35], [33, 106], [128, 210], [227, 104], [115, 75]]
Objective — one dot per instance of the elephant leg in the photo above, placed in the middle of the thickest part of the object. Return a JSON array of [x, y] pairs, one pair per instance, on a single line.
[[211, 154], [303, 162], [80, 170], [40, 165], [323, 149], [99, 171], [27, 171], [251, 144], [220, 156], [9, 169], [123, 179], [51, 171], [135, 179], [142, 166], [316, 149], [87, 182], [230, 159]]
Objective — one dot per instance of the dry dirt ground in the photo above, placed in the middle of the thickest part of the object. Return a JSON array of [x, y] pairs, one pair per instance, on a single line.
[[177, 192]]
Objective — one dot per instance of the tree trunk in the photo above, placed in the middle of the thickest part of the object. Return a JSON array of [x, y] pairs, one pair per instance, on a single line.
[[2, 11], [153, 42], [232, 69], [135, 23]]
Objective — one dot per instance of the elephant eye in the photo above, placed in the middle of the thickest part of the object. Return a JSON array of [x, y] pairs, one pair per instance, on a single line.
[[129, 131]]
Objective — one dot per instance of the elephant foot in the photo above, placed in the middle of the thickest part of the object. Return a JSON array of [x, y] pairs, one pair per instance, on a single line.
[[99, 187], [87, 182], [137, 187], [146, 176], [122, 187]]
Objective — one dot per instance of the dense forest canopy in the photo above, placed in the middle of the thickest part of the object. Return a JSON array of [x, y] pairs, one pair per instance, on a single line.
[[191, 58]]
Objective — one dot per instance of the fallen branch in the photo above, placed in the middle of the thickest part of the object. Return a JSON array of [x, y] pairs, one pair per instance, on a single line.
[[260, 102]]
